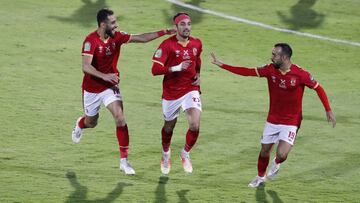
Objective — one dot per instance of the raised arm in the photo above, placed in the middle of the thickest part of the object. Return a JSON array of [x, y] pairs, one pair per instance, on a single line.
[[146, 37], [237, 70], [324, 100]]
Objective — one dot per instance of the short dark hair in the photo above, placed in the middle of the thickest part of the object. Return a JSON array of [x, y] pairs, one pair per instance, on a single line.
[[180, 13], [285, 49], [103, 14]]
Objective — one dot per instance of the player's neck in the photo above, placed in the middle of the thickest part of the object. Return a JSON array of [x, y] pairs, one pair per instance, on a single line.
[[181, 39], [103, 36], [285, 67]]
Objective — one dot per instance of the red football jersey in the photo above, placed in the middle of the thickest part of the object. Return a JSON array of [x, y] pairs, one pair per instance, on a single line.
[[286, 92], [170, 53], [105, 58]]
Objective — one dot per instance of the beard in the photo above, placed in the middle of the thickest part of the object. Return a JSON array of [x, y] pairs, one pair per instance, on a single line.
[[110, 33], [277, 65], [185, 34]]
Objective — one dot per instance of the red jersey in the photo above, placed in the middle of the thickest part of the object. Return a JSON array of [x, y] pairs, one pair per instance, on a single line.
[[286, 92], [170, 53], [105, 58]]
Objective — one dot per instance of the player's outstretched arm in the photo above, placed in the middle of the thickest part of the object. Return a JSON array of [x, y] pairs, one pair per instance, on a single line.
[[146, 37], [324, 100], [237, 70]]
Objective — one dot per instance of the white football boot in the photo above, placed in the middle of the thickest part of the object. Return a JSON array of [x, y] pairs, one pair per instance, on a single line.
[[257, 181], [186, 161], [165, 165], [77, 132], [126, 167]]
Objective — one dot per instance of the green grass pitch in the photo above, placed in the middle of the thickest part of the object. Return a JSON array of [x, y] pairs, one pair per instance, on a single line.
[[40, 99]]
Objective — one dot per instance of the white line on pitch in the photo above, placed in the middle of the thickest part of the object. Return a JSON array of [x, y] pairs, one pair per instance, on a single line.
[[243, 20]]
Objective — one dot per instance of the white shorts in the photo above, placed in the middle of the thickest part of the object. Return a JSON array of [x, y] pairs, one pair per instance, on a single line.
[[171, 108], [93, 101], [273, 133]]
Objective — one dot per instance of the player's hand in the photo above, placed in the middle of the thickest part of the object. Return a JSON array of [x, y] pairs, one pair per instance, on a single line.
[[111, 77], [331, 118], [196, 80], [170, 31], [215, 60], [185, 64]]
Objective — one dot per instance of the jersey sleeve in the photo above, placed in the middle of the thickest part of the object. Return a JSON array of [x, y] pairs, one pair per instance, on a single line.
[[198, 61], [122, 37], [308, 80], [263, 71], [161, 54], [88, 47]]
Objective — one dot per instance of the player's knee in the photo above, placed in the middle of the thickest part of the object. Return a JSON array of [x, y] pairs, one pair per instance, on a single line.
[[194, 127], [281, 156], [265, 152], [120, 120], [169, 129]]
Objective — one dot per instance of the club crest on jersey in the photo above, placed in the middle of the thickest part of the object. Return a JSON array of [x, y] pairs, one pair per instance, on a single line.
[[87, 46], [293, 82], [158, 53], [195, 51]]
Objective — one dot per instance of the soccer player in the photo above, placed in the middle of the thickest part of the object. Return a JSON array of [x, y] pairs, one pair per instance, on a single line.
[[100, 54], [286, 83], [178, 59]]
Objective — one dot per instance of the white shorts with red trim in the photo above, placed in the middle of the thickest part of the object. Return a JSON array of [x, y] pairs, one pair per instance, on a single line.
[[171, 108], [274, 132], [93, 101]]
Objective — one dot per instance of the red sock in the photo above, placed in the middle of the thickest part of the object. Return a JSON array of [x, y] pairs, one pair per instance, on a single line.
[[263, 162], [81, 123], [278, 161], [122, 135], [191, 137], [166, 140]]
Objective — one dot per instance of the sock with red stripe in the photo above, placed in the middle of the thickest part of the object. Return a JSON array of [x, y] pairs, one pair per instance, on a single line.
[[191, 137], [122, 135], [263, 163]]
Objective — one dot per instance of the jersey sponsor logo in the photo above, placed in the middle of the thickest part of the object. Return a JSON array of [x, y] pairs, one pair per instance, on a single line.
[[282, 83], [108, 51], [158, 53], [186, 55], [87, 46]]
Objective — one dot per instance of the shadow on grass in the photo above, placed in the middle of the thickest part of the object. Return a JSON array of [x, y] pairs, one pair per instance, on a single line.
[[196, 17], [302, 16], [80, 193], [160, 193], [182, 196], [260, 195], [85, 15]]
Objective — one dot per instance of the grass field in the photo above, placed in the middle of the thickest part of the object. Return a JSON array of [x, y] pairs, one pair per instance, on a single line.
[[40, 96]]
